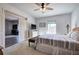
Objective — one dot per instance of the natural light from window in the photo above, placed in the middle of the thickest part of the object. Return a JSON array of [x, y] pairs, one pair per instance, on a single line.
[[51, 28]]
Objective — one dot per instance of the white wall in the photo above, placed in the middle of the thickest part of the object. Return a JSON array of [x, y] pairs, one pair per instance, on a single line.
[[2, 21], [61, 22], [22, 29], [75, 18], [17, 11], [2, 28]]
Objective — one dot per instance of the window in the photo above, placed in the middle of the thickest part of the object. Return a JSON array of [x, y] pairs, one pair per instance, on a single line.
[[51, 28]]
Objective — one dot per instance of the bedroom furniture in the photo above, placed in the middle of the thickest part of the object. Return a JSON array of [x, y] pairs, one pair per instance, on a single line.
[[32, 33], [33, 40], [76, 29], [58, 47], [59, 44], [1, 52]]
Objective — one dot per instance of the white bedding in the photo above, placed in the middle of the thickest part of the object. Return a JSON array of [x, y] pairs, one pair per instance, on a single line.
[[58, 37]]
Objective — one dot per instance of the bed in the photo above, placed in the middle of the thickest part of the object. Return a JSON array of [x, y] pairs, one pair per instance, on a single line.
[[58, 44]]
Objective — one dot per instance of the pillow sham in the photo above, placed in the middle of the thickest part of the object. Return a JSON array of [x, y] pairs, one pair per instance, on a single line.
[[75, 35]]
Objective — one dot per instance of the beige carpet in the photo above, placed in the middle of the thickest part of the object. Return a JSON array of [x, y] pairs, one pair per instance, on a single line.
[[22, 49]]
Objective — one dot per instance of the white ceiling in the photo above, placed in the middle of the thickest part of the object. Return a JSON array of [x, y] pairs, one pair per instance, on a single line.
[[59, 8]]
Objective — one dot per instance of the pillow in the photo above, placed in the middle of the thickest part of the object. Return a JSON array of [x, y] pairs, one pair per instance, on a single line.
[[75, 35], [76, 29]]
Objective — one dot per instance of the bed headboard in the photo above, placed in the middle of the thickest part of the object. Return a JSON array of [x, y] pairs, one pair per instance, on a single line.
[[76, 29]]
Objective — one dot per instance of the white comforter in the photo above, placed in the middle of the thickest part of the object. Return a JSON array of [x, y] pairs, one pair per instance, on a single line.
[[58, 37]]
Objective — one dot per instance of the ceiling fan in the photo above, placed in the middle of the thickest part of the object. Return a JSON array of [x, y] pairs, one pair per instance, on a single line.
[[43, 7]]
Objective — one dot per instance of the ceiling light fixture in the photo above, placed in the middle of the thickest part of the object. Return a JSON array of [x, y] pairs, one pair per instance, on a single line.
[[43, 7]]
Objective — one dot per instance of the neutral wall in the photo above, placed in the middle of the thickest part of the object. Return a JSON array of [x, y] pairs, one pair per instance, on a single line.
[[61, 22], [2, 28], [75, 18], [10, 8], [22, 29]]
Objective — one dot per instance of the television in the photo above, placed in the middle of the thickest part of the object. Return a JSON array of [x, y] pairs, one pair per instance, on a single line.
[[14, 30], [33, 26], [14, 26]]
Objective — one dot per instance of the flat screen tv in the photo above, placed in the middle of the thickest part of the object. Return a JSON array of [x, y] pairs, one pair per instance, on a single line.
[[33, 26], [14, 26]]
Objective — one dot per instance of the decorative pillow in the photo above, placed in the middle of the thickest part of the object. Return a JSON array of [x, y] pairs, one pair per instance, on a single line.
[[75, 35]]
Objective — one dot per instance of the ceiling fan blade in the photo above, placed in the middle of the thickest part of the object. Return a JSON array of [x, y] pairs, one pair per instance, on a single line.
[[47, 3], [38, 4], [36, 9], [48, 8]]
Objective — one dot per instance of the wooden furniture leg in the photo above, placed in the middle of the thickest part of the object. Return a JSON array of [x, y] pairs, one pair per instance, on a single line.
[[29, 43]]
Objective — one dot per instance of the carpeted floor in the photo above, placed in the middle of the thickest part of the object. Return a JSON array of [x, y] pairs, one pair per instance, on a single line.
[[22, 49], [10, 41]]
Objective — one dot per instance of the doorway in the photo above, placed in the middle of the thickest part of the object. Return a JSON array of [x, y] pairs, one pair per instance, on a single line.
[[11, 29]]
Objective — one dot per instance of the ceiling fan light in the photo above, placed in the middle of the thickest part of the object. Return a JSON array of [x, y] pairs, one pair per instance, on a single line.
[[43, 7], [43, 10], [40, 9]]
